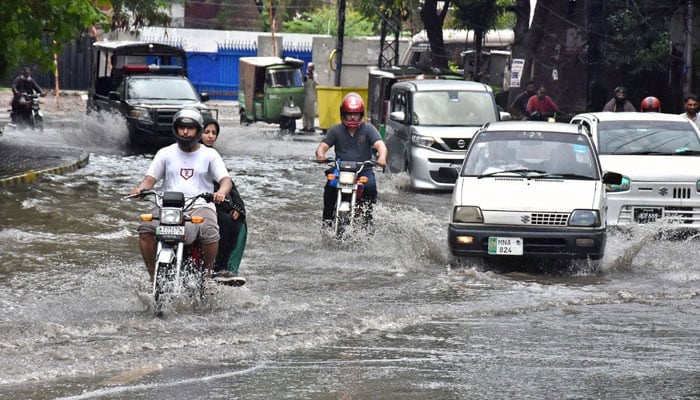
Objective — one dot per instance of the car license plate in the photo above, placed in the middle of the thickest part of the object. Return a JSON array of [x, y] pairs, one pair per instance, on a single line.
[[170, 230], [646, 215], [508, 246]]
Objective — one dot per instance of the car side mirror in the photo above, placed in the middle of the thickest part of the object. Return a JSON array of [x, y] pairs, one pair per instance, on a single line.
[[612, 178], [114, 95], [204, 97], [505, 116], [398, 116]]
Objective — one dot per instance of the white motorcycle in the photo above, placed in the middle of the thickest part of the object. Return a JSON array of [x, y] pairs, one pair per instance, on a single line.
[[179, 266], [346, 177]]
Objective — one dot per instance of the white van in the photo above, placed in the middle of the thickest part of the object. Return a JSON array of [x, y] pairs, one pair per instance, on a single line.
[[530, 190]]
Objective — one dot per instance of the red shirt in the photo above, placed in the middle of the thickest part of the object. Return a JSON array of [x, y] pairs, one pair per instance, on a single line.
[[546, 106]]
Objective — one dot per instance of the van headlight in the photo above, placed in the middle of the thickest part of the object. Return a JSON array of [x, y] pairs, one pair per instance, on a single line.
[[622, 187], [587, 218], [421, 140], [467, 214], [141, 114]]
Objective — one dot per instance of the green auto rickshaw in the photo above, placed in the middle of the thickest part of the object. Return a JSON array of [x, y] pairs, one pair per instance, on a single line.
[[271, 90]]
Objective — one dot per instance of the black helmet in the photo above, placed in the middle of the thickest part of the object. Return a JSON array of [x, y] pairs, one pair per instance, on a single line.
[[188, 117], [621, 89]]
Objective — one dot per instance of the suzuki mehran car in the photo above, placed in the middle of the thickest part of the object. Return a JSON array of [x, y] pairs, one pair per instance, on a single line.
[[531, 190], [658, 156]]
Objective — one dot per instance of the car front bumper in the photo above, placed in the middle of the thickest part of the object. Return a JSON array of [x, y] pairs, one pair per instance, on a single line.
[[428, 168], [562, 243]]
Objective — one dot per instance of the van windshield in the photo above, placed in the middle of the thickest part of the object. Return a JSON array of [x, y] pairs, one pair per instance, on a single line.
[[452, 108]]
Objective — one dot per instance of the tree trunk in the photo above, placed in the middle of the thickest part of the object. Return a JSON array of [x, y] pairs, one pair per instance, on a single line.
[[433, 21]]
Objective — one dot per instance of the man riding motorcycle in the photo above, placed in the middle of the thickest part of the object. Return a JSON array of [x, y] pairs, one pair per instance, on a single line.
[[23, 84], [353, 141]]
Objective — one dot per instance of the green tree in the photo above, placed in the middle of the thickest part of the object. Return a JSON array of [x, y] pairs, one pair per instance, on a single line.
[[324, 21], [135, 14], [34, 30], [479, 16]]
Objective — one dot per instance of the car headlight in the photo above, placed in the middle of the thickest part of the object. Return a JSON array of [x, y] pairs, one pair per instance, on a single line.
[[141, 114], [467, 214], [170, 216], [588, 218], [421, 140], [622, 187]]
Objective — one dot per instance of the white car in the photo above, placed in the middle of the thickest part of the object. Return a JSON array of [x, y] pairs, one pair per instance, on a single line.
[[658, 156], [530, 189]]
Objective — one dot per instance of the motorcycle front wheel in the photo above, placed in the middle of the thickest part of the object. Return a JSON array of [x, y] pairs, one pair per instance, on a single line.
[[342, 221], [37, 122], [162, 277]]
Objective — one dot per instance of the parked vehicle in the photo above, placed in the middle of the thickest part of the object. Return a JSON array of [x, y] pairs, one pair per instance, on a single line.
[[659, 158], [31, 115], [430, 126], [147, 84], [530, 190], [179, 268], [345, 177], [271, 90]]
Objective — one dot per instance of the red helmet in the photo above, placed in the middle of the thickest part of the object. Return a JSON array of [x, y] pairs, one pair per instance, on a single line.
[[352, 103], [650, 103]]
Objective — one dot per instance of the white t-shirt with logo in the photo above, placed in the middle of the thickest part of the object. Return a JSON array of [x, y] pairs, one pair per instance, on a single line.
[[191, 173]]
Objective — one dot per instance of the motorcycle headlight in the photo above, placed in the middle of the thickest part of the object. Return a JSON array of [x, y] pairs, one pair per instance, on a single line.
[[347, 178], [141, 114], [467, 214], [170, 216], [589, 218], [421, 140], [622, 187]]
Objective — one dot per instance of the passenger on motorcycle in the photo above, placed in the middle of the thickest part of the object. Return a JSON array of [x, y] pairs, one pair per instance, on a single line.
[[541, 107], [352, 140], [23, 84], [191, 168], [233, 228]]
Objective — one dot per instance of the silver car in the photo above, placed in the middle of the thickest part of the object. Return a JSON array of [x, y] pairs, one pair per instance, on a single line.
[[430, 125], [659, 158]]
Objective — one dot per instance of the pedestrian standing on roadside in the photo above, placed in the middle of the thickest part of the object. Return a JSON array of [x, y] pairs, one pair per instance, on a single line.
[[619, 102], [233, 228], [309, 112], [691, 108]]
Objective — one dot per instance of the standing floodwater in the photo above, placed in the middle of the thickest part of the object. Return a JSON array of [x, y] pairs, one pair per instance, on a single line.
[[374, 318]]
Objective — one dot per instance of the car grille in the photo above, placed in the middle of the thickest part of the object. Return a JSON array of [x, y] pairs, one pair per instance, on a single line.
[[455, 144], [681, 193], [165, 117], [548, 219]]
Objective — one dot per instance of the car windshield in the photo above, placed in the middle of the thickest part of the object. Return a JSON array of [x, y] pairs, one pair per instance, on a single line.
[[152, 88], [284, 77], [452, 108], [531, 154], [646, 137]]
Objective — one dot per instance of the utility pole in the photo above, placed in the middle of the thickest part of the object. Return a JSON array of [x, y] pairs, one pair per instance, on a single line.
[[339, 42], [688, 49]]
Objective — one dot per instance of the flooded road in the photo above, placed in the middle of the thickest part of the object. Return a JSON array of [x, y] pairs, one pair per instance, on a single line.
[[377, 318]]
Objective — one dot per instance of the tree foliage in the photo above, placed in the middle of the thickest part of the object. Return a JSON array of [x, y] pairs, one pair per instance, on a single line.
[[324, 21], [32, 31], [133, 15]]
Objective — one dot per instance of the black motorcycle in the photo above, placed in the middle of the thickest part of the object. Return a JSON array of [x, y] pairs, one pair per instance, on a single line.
[[28, 112]]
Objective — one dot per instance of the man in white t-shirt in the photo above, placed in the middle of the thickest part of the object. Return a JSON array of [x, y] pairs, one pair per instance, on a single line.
[[190, 168], [691, 108]]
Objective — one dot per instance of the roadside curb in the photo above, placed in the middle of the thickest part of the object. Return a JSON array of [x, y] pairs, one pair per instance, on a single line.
[[31, 176]]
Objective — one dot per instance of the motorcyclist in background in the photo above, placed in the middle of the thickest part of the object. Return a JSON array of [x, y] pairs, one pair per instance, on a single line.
[[353, 140], [650, 104], [541, 107], [619, 102], [23, 84]]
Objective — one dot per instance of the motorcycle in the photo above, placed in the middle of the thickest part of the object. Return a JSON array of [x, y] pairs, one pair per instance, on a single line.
[[179, 266], [30, 113], [346, 177]]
